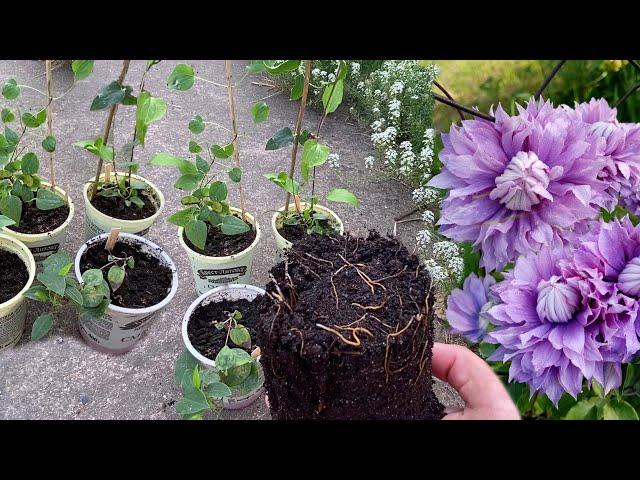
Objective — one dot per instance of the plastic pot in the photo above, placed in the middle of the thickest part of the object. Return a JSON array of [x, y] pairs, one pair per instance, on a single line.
[[277, 220], [211, 272], [225, 292], [12, 312], [44, 244], [97, 223], [120, 328]]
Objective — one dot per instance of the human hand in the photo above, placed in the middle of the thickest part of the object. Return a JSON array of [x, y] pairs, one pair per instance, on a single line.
[[484, 395]]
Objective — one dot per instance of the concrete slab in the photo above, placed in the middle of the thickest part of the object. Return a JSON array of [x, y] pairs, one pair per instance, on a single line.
[[63, 378]]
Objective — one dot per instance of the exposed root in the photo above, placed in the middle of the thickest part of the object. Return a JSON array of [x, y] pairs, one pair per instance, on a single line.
[[404, 269], [335, 292], [354, 332], [319, 259], [386, 352], [301, 339], [370, 307], [365, 278]]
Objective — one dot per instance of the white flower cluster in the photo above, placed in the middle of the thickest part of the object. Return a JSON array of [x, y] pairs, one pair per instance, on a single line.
[[333, 160], [448, 253], [423, 238], [355, 69], [437, 271], [425, 195], [369, 161]]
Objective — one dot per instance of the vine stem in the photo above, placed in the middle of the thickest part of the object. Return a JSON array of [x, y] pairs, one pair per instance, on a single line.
[[52, 172], [232, 113], [303, 104], [107, 128]]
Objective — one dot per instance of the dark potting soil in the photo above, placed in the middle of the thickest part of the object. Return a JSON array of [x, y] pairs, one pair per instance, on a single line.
[[116, 208], [33, 220], [347, 332], [295, 233], [206, 338], [13, 275], [220, 245], [145, 285]]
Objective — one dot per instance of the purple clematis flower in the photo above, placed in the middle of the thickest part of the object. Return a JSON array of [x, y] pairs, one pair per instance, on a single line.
[[519, 184], [467, 307], [571, 314]]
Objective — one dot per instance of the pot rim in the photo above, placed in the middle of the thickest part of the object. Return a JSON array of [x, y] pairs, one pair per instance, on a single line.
[[139, 239], [196, 303], [125, 223], [35, 237], [31, 268], [225, 258]]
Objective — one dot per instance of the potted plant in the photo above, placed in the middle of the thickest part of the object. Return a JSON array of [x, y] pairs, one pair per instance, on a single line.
[[295, 221], [142, 280], [219, 367], [346, 331], [121, 198], [16, 276], [41, 211], [219, 239]]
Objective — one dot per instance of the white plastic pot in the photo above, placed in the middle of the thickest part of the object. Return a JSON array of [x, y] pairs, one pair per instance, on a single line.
[[277, 220], [12, 312], [211, 272], [97, 223], [225, 292], [120, 328], [44, 244]]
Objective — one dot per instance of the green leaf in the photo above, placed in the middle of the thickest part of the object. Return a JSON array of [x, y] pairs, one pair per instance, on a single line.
[[48, 200], [57, 262], [281, 139], [298, 87], [115, 276], [235, 174], [222, 152], [240, 335], [332, 96], [82, 68], [228, 358], [148, 110], [194, 401], [167, 160], [218, 191], [251, 381], [30, 163], [92, 277], [5, 221], [182, 217], [284, 181], [344, 196], [196, 125], [232, 225], [618, 409], [49, 144], [583, 410], [39, 293], [74, 294], [196, 232], [194, 147], [208, 376], [41, 326], [34, 121], [181, 78], [275, 68], [11, 206], [217, 390], [53, 281], [201, 164], [314, 154], [12, 137], [108, 96], [185, 365], [187, 182], [7, 115], [260, 112], [10, 90]]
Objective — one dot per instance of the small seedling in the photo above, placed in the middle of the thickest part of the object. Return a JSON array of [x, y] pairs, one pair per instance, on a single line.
[[117, 265], [57, 286]]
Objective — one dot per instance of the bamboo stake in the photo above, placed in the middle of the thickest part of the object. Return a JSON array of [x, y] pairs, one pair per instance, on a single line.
[[107, 128], [234, 126], [52, 172], [112, 239], [303, 104], [107, 173]]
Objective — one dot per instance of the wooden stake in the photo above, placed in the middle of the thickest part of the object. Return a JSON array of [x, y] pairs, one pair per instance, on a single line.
[[112, 239], [234, 127], [52, 172], [107, 173], [107, 127], [303, 104]]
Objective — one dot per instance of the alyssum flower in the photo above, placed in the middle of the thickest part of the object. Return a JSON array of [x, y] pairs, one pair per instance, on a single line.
[[520, 183]]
